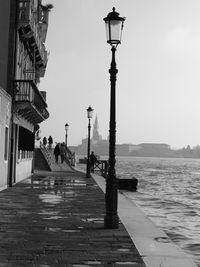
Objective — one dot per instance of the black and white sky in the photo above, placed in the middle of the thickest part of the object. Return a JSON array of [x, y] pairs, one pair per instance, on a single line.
[[158, 61]]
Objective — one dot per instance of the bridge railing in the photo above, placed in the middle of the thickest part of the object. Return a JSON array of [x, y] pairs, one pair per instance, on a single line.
[[46, 154], [102, 167], [70, 157]]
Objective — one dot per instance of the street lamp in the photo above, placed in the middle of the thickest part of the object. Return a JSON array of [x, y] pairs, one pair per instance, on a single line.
[[89, 115], [66, 131], [114, 26]]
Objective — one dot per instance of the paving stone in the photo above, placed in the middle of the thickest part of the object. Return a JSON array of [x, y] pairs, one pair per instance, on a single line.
[[57, 219]]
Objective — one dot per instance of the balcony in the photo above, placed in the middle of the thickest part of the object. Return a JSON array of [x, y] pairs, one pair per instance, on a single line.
[[29, 31], [29, 102]]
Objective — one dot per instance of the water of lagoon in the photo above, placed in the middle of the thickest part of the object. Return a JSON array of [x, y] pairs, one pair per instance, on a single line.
[[169, 194]]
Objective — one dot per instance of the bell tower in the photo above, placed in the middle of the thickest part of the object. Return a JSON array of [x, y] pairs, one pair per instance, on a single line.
[[96, 135]]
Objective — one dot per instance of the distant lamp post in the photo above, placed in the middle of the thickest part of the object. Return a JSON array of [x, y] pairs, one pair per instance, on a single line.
[[114, 26], [89, 115], [66, 132]]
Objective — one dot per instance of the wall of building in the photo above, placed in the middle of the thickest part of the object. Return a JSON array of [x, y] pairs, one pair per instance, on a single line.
[[23, 169], [4, 30], [24, 148], [19, 61], [5, 114]]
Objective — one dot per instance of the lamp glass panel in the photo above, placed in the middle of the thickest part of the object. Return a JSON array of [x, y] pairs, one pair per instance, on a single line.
[[107, 31], [115, 31], [66, 128], [90, 112]]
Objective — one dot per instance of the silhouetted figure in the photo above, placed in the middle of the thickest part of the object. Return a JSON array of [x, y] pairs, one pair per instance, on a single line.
[[62, 152], [93, 160], [57, 152], [50, 141], [44, 141]]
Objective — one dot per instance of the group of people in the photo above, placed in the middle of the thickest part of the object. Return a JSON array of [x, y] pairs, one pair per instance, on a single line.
[[60, 150], [50, 141]]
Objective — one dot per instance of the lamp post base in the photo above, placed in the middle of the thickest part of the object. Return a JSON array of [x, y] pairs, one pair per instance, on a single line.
[[111, 222]]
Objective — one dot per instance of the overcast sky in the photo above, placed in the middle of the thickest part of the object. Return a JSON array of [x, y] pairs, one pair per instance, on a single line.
[[158, 82]]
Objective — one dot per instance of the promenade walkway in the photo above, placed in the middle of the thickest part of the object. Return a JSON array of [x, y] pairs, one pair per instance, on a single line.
[[56, 219]]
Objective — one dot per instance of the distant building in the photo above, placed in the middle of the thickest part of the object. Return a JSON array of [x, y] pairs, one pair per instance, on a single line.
[[126, 149], [97, 144], [152, 150], [154, 146], [101, 147], [23, 60], [96, 136]]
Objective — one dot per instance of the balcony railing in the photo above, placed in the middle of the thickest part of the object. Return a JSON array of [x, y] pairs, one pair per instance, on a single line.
[[30, 102], [29, 29]]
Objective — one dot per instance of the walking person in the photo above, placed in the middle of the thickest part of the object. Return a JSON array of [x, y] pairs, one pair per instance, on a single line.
[[44, 141], [62, 152], [93, 160], [57, 151], [50, 141]]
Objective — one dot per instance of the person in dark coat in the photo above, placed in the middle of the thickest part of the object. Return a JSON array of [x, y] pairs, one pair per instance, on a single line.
[[93, 160], [62, 152], [50, 141], [57, 151], [44, 141]]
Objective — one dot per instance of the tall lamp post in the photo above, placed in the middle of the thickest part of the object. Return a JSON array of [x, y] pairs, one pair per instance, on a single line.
[[114, 26], [66, 131], [89, 115]]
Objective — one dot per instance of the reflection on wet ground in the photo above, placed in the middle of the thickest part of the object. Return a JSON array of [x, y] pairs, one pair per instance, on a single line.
[[58, 219]]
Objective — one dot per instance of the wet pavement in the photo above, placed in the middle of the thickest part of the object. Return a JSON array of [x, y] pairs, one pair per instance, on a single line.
[[56, 219]]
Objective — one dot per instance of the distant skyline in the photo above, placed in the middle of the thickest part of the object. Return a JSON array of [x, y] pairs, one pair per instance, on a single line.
[[158, 83]]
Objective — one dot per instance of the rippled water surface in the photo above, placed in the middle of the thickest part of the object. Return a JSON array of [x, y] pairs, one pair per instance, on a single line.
[[169, 193]]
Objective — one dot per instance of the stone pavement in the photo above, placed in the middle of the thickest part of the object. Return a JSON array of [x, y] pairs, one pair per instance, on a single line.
[[56, 219]]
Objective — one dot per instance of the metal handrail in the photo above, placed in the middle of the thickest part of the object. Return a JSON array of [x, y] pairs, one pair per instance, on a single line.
[[70, 157], [46, 154]]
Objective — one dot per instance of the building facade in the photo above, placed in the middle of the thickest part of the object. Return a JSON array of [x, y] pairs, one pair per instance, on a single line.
[[23, 60], [5, 116]]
